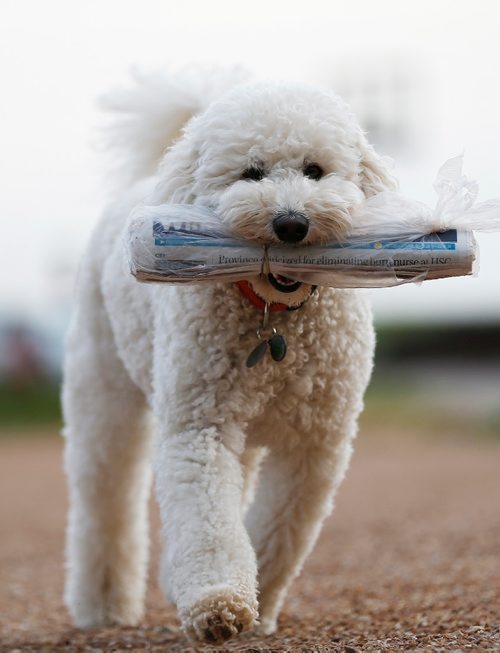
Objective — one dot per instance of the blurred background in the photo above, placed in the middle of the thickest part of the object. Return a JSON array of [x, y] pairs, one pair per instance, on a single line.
[[423, 79]]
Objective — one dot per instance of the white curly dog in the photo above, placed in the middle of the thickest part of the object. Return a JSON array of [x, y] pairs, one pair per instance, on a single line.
[[246, 461]]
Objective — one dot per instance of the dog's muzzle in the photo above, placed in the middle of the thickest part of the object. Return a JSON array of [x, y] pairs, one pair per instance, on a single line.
[[290, 226]]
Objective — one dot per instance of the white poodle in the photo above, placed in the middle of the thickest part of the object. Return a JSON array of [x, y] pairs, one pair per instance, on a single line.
[[246, 461]]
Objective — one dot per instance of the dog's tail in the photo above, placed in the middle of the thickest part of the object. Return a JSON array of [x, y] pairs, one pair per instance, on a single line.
[[150, 115]]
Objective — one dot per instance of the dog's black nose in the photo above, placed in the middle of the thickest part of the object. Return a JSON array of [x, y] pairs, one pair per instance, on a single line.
[[291, 226]]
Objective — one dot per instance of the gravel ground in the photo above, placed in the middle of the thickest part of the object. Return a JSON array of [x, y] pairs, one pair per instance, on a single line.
[[410, 560]]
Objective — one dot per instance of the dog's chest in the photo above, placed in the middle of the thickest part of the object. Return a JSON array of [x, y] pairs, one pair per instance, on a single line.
[[213, 329]]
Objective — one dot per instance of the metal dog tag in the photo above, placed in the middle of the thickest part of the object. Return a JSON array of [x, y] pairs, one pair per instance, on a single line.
[[277, 345], [257, 354]]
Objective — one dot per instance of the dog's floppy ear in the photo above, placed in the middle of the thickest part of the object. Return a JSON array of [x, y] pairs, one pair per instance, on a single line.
[[374, 170]]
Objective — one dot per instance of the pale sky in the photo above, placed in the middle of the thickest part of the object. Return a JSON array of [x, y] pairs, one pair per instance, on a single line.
[[57, 56]]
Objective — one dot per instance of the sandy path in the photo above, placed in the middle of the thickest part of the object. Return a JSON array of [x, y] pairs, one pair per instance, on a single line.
[[409, 561]]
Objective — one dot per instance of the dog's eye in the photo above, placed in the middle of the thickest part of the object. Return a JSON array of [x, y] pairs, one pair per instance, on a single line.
[[254, 174], [313, 171]]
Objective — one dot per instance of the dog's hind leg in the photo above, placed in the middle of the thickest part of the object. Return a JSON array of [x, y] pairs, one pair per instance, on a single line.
[[107, 463], [294, 496], [251, 461]]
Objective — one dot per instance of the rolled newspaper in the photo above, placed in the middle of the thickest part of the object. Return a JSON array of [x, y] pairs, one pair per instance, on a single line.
[[393, 240], [178, 243]]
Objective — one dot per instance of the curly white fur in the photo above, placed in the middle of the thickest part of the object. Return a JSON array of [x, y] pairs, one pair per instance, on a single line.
[[275, 439]]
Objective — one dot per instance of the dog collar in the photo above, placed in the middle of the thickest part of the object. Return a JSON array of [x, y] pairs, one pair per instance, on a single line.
[[247, 290]]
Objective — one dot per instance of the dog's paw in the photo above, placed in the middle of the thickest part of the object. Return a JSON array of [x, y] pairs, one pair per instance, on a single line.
[[219, 617], [266, 626], [93, 609], [104, 615]]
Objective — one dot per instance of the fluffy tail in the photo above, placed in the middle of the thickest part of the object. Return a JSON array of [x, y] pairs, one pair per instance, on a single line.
[[149, 116]]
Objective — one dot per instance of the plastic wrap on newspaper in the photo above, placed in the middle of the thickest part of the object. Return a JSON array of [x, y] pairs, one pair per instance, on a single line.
[[392, 241]]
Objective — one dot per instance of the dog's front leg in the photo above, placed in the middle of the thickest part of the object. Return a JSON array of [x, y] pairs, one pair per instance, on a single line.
[[294, 496], [209, 564]]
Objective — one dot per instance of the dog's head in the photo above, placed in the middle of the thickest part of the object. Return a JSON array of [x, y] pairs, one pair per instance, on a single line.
[[280, 163]]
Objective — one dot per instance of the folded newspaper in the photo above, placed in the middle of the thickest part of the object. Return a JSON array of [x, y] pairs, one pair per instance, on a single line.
[[393, 241]]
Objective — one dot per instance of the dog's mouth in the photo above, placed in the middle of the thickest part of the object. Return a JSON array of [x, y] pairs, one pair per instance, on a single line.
[[278, 289], [283, 284]]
